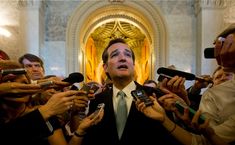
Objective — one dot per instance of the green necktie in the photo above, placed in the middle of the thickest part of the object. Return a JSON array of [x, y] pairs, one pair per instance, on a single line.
[[121, 115]]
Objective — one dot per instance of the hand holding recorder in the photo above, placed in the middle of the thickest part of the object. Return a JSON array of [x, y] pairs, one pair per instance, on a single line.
[[142, 96], [181, 108], [91, 120]]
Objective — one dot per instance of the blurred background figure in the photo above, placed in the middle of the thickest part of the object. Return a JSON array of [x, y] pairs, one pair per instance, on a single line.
[[4, 55], [34, 66]]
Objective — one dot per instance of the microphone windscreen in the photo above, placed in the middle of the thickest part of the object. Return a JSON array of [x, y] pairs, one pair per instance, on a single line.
[[209, 52], [75, 77], [173, 72]]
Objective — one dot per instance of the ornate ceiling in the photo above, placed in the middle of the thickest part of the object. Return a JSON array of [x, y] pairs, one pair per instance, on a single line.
[[118, 29]]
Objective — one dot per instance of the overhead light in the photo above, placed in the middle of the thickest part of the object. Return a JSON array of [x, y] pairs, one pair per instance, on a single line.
[[5, 32]]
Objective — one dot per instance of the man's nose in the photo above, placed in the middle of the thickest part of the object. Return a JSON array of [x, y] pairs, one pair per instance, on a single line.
[[122, 57], [34, 67]]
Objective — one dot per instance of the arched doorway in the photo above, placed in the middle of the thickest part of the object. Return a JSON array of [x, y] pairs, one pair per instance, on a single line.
[[138, 22], [98, 40]]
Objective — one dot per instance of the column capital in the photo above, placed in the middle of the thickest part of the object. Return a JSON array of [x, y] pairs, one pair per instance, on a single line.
[[210, 4], [34, 4]]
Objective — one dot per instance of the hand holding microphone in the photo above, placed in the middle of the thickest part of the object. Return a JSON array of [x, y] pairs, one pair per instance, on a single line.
[[75, 77], [56, 82], [9, 74], [172, 72], [18, 89]]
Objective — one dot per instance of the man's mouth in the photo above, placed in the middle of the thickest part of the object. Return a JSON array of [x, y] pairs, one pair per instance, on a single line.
[[123, 67], [36, 74]]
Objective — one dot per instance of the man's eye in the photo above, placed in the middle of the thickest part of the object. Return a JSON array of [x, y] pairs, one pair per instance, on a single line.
[[128, 54], [113, 55], [28, 65]]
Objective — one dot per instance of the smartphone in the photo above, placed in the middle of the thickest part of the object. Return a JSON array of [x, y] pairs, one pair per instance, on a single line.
[[46, 84], [99, 108], [180, 106], [17, 71], [142, 96]]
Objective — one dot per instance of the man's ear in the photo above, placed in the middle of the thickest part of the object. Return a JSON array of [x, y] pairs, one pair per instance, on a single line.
[[105, 66]]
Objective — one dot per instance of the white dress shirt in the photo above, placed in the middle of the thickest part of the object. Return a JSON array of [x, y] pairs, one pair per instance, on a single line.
[[127, 90]]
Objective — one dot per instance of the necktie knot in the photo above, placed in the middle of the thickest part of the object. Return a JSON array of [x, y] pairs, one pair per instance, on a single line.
[[121, 94]]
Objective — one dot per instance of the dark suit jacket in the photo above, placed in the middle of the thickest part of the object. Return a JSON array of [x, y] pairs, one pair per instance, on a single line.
[[30, 129], [139, 129]]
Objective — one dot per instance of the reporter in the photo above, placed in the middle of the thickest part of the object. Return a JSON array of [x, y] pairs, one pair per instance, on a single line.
[[34, 66], [156, 112], [225, 50], [218, 102], [24, 124]]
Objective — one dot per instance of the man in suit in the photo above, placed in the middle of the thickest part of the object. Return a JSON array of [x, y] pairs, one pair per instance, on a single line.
[[118, 63]]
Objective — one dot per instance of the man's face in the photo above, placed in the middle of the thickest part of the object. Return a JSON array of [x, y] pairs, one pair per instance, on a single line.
[[225, 50], [34, 69], [120, 63]]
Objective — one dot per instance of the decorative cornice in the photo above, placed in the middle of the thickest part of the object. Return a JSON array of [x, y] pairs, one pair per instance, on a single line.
[[229, 12], [210, 4], [116, 1], [30, 3], [109, 12]]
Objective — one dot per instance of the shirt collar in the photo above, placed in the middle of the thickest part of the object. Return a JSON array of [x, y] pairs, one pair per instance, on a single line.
[[127, 90]]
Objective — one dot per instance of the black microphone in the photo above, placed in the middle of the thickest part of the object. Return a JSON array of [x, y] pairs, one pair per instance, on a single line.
[[17, 71], [75, 77], [172, 72], [209, 52]]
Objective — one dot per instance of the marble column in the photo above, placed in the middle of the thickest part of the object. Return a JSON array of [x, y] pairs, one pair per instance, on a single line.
[[209, 18], [31, 26]]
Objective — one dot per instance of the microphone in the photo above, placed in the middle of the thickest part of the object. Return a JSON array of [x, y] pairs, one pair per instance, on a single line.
[[75, 77], [209, 52], [17, 71], [172, 72]]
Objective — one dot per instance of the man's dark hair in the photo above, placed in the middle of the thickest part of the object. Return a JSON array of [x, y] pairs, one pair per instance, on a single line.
[[227, 31], [105, 55], [114, 41], [32, 58]]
